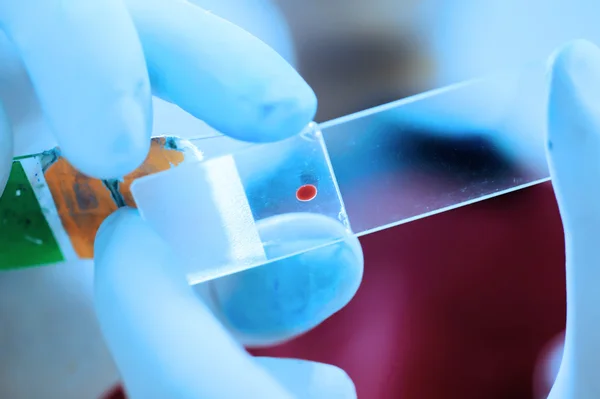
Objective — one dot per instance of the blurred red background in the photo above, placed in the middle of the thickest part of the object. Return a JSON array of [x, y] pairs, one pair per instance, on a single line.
[[458, 305]]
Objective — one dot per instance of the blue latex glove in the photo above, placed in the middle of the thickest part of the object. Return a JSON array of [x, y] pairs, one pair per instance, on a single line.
[[94, 66], [167, 343], [574, 157]]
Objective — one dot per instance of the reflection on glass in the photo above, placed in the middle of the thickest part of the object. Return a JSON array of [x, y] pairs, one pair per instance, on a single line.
[[440, 150]]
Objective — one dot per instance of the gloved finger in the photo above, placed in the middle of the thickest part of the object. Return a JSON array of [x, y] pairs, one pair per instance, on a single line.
[[574, 157], [6, 149], [165, 342], [87, 66], [262, 18], [574, 133], [310, 379], [220, 73], [282, 299]]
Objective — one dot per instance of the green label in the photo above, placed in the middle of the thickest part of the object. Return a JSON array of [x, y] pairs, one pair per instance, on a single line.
[[26, 239]]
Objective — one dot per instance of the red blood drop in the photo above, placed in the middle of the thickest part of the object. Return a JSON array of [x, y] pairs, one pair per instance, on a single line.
[[306, 192]]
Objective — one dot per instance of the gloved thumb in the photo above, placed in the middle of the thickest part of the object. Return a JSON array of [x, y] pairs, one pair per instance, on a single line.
[[165, 341], [574, 133], [574, 157], [6, 149]]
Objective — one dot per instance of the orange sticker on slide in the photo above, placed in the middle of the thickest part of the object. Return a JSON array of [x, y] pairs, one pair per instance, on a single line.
[[83, 202]]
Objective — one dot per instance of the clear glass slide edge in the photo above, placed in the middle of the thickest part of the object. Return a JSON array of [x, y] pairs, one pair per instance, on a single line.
[[234, 206], [441, 150], [372, 170]]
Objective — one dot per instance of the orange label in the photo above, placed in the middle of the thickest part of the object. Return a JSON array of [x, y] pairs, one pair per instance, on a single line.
[[83, 202]]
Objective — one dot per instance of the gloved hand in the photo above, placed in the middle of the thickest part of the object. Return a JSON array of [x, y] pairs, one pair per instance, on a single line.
[[94, 65], [167, 343], [574, 157]]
